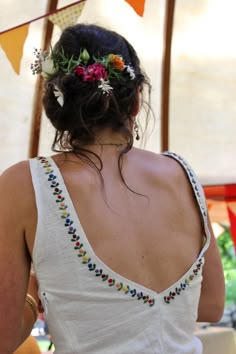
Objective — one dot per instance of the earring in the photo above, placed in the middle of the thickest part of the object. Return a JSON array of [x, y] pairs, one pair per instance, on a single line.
[[136, 130]]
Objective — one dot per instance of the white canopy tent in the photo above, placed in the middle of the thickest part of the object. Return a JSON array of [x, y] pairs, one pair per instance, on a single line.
[[199, 120], [17, 93]]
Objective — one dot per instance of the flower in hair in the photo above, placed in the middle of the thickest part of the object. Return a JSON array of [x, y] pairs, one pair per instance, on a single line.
[[44, 64], [79, 70], [48, 67], [59, 95], [94, 72], [105, 86], [101, 69], [116, 61], [85, 56], [131, 72], [97, 72]]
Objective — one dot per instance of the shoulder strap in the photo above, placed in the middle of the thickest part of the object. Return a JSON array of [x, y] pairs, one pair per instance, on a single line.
[[44, 206], [198, 192]]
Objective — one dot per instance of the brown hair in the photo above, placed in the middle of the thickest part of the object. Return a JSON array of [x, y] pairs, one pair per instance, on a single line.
[[86, 109]]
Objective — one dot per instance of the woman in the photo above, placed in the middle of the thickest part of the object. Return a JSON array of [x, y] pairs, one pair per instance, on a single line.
[[118, 236]]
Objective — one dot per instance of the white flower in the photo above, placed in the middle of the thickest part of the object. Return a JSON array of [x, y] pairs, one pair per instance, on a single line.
[[131, 72], [59, 95], [47, 67], [105, 87]]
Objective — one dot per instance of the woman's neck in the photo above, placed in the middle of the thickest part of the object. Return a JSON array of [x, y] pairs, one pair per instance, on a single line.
[[107, 137]]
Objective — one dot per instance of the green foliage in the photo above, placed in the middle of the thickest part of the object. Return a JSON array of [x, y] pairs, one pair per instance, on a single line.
[[227, 252]]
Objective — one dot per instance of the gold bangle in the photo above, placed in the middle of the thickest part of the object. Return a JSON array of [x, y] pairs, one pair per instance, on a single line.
[[31, 302]]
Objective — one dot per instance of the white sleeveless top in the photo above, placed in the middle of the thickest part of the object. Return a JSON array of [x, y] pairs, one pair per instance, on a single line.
[[89, 308]]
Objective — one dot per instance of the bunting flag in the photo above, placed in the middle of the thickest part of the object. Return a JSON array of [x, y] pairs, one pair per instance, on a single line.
[[138, 6], [67, 17], [232, 217], [12, 42]]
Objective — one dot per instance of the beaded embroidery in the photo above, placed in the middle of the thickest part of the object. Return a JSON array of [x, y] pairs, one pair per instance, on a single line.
[[192, 180], [82, 253], [184, 284], [78, 245]]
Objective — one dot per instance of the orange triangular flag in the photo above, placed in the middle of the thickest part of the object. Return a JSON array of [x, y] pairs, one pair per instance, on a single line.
[[67, 17], [12, 43], [138, 6]]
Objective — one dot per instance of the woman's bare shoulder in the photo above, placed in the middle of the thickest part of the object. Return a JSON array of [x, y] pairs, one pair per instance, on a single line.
[[16, 174], [16, 184], [161, 167]]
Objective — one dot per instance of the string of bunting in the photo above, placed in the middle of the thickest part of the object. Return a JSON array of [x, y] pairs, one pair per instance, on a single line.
[[12, 40]]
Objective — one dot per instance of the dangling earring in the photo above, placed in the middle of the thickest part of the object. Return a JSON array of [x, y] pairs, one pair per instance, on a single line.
[[136, 130]]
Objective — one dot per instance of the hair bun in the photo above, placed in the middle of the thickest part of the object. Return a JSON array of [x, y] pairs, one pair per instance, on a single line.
[[97, 80]]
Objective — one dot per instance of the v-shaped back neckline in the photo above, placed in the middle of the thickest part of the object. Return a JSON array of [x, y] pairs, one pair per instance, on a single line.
[[96, 260]]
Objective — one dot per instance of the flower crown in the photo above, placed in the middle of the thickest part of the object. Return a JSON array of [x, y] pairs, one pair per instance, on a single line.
[[103, 69]]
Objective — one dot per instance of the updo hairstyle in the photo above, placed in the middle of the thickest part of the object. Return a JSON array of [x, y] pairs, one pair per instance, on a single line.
[[86, 109]]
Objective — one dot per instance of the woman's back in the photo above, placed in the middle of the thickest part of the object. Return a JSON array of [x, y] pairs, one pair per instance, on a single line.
[[139, 229], [132, 247]]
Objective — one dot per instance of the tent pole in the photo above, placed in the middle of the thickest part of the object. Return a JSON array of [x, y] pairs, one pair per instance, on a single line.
[[37, 104], [165, 76]]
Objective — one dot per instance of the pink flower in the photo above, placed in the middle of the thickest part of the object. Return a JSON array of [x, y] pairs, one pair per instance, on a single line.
[[94, 72]]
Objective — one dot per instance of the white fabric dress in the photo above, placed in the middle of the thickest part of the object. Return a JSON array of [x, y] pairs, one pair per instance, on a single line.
[[89, 308]]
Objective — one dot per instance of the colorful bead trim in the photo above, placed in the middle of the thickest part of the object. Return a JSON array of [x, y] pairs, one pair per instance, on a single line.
[[192, 180], [187, 281], [183, 285], [78, 245]]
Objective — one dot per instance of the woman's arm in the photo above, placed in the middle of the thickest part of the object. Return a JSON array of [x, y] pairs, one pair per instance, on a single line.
[[212, 300], [31, 309], [16, 318]]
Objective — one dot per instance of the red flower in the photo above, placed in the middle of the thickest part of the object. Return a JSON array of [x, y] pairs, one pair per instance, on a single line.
[[94, 72], [79, 70]]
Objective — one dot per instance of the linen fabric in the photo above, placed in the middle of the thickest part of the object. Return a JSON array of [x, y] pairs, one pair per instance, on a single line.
[[89, 308]]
